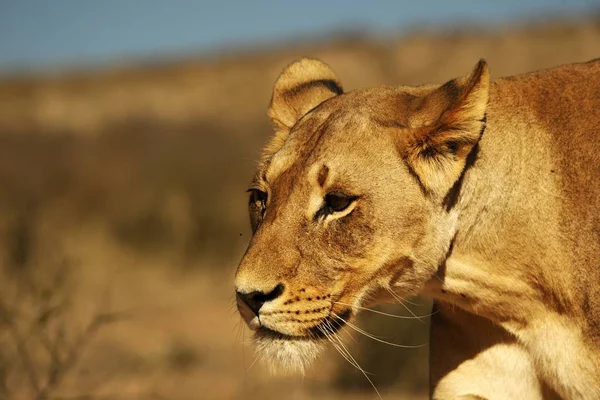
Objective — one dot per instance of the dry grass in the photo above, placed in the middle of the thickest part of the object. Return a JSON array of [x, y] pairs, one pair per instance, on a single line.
[[133, 180]]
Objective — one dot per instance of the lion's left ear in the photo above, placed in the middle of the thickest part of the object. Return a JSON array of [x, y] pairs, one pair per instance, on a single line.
[[302, 86], [447, 124]]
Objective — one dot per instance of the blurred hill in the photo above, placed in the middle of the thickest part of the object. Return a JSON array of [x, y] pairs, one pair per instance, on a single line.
[[234, 89], [133, 177]]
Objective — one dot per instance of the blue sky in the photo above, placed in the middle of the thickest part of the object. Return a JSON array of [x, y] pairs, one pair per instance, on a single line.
[[36, 34]]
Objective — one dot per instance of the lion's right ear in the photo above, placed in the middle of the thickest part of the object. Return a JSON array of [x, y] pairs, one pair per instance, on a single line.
[[447, 124], [302, 86]]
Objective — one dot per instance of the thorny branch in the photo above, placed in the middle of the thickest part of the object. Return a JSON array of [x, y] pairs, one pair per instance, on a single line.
[[45, 379], [7, 321]]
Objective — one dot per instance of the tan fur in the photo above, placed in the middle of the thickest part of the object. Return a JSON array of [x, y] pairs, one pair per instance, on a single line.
[[483, 195]]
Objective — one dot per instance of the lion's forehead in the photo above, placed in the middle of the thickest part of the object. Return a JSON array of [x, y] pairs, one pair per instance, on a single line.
[[340, 140]]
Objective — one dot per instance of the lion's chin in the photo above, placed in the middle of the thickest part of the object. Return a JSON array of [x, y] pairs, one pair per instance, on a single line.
[[286, 355]]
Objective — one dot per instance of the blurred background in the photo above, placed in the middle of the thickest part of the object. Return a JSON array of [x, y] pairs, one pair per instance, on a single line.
[[128, 134]]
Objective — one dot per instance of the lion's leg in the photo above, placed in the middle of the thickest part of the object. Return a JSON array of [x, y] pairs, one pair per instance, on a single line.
[[472, 358]]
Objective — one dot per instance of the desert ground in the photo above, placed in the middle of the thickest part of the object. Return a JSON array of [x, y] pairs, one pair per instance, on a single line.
[[123, 216]]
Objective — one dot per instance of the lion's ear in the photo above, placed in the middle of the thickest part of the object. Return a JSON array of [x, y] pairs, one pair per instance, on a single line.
[[448, 123], [302, 86]]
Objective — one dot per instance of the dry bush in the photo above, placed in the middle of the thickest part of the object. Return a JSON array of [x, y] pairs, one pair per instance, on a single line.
[[40, 346]]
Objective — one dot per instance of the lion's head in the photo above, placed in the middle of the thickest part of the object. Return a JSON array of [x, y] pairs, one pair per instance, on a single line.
[[352, 198]]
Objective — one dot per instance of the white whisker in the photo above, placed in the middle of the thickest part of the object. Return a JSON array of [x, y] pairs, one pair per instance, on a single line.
[[355, 362], [384, 313], [340, 342], [253, 362], [367, 334], [413, 303], [395, 296], [335, 346]]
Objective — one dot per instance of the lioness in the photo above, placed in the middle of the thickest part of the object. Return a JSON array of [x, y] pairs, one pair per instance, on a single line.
[[483, 195]]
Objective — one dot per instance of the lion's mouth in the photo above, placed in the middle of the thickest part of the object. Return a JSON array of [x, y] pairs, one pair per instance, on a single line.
[[329, 326]]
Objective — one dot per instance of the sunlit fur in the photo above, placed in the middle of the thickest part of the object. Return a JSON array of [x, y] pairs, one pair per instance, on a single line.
[[482, 194]]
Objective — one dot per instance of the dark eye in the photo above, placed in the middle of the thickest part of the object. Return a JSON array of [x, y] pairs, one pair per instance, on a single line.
[[257, 205], [258, 199], [336, 202]]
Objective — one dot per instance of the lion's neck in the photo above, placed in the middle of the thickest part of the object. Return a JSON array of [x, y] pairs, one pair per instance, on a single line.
[[508, 259], [488, 290]]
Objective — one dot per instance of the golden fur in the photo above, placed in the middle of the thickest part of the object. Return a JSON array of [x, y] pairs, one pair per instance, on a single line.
[[484, 195]]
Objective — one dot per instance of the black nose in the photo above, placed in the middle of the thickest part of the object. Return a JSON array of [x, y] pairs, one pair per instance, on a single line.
[[256, 299]]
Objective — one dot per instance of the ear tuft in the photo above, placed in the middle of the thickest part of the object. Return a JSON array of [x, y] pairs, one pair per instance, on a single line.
[[302, 86], [448, 123]]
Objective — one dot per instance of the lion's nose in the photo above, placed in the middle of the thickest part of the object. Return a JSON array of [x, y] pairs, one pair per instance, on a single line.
[[255, 300]]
